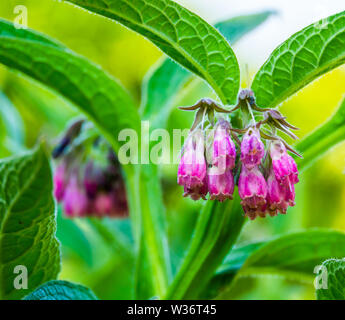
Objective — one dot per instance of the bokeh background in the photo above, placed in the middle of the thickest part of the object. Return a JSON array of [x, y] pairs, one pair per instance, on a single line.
[[35, 112]]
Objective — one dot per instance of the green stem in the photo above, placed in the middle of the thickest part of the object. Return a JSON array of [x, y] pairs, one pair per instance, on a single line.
[[149, 231], [324, 138], [217, 230]]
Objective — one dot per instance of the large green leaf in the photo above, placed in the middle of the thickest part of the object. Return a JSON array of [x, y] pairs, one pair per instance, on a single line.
[[160, 88], [163, 83], [61, 290], [295, 255], [27, 223], [182, 35], [95, 92], [331, 280], [235, 28], [305, 56]]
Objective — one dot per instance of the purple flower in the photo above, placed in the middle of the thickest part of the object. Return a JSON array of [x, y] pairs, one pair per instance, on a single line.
[[59, 182], [252, 189], [220, 184], [224, 150], [192, 167], [252, 148], [279, 196], [284, 166], [75, 201]]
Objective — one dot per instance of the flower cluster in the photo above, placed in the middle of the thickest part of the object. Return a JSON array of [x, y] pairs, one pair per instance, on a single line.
[[86, 186], [265, 175]]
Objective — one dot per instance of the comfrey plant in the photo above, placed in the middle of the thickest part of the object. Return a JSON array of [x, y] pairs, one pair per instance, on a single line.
[[235, 158], [208, 163]]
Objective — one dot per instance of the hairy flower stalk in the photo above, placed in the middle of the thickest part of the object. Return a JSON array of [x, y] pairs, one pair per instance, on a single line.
[[265, 183]]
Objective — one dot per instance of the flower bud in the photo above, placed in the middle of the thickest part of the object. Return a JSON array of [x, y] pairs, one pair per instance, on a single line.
[[252, 148], [192, 168], [252, 189], [75, 200], [59, 182], [284, 166], [220, 184], [224, 150]]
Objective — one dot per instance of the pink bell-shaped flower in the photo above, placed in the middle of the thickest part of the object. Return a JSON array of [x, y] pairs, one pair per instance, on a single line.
[[252, 148], [284, 166], [252, 189], [224, 150], [192, 167], [220, 184], [279, 196]]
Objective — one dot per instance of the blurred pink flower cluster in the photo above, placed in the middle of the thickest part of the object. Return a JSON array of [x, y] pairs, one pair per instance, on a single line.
[[85, 186]]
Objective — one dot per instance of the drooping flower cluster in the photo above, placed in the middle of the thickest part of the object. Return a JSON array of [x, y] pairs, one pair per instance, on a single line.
[[266, 178], [85, 185]]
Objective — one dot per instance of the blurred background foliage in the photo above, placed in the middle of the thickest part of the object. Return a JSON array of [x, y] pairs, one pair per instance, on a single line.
[[92, 256]]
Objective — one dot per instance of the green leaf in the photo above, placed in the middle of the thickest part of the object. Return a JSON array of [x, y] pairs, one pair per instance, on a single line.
[[73, 239], [209, 246], [332, 280], [323, 139], [13, 124], [232, 263], [295, 255], [27, 223], [235, 28], [164, 81], [301, 59], [61, 290], [182, 35], [95, 92], [153, 251], [237, 256], [159, 91]]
